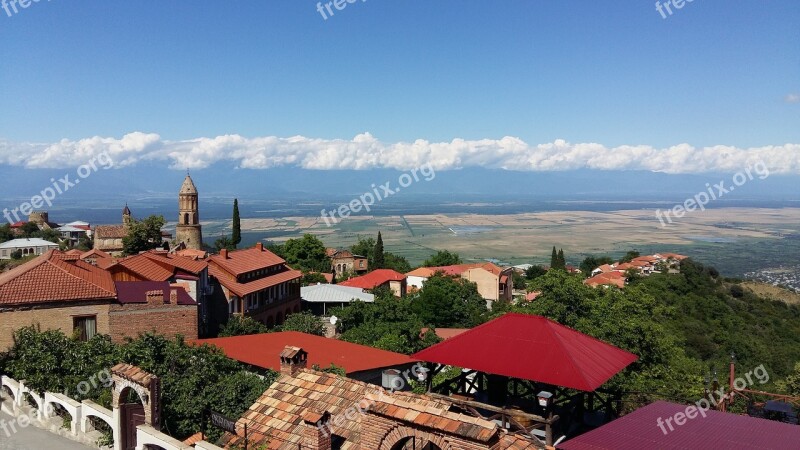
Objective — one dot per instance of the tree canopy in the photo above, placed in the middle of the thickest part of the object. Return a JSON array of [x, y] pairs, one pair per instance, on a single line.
[[236, 224], [378, 253], [442, 258], [193, 378], [304, 322], [306, 253], [143, 235]]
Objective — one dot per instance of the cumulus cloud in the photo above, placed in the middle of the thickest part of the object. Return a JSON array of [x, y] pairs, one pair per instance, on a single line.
[[365, 151], [792, 98]]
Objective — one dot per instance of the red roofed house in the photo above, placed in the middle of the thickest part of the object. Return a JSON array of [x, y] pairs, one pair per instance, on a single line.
[[359, 361], [62, 292], [257, 283], [343, 261], [494, 282], [607, 279], [388, 278]]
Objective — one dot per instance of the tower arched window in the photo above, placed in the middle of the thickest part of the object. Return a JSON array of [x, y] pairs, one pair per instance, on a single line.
[[186, 218]]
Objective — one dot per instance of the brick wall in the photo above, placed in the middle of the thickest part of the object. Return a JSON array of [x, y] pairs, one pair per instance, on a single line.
[[50, 318], [168, 319]]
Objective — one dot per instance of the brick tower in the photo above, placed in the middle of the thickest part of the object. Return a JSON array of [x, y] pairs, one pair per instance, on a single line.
[[188, 230]]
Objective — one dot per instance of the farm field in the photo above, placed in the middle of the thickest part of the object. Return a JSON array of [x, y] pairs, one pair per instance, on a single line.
[[735, 240]]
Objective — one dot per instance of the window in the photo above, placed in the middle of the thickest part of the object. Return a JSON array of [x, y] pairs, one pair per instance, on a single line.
[[86, 326]]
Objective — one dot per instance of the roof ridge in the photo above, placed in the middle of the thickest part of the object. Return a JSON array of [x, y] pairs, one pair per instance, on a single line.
[[24, 268], [84, 270]]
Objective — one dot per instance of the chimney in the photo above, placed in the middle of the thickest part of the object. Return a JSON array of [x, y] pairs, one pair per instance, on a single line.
[[260, 246], [155, 297], [224, 253], [173, 296], [293, 359], [316, 430]]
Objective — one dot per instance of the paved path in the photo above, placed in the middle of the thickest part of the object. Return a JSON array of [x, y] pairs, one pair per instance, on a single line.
[[32, 438]]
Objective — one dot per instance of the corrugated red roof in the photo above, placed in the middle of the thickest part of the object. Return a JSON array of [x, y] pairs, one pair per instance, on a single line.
[[262, 350], [532, 348], [718, 430], [53, 278], [374, 278]]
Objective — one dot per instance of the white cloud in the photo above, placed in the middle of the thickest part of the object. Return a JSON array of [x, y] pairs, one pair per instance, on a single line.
[[792, 98], [365, 151]]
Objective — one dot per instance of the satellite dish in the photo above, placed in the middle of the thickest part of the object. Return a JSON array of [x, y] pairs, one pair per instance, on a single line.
[[334, 319]]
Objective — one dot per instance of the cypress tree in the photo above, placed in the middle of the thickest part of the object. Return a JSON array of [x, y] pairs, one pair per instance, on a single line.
[[379, 260], [236, 236], [562, 263], [554, 259]]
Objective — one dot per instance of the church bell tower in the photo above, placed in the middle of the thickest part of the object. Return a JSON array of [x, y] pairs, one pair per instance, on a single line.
[[188, 230]]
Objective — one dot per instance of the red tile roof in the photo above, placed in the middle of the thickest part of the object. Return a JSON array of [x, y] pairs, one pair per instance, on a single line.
[[374, 279], [242, 289], [606, 279], [55, 277], [275, 420], [239, 262], [159, 266], [95, 253], [718, 430], [110, 232], [262, 350], [533, 348]]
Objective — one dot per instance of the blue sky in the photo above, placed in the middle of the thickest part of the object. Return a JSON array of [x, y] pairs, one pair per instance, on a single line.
[[608, 72]]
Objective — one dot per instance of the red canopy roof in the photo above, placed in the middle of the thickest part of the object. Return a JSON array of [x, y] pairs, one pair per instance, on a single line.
[[532, 348]]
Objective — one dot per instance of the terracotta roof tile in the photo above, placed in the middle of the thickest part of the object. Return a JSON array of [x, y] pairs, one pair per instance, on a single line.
[[242, 261], [57, 277], [110, 232], [374, 278], [242, 289]]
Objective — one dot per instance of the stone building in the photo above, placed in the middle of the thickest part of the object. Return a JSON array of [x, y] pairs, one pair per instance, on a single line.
[[108, 238], [188, 231]]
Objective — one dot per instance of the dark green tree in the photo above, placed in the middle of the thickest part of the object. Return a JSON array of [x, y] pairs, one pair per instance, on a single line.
[[590, 263], [380, 259], [304, 322], [5, 233], [534, 272], [630, 256], [306, 253], [562, 262], [28, 228], [240, 326], [224, 242], [365, 247], [396, 263], [449, 303], [143, 235], [442, 258], [312, 278], [554, 259], [236, 234]]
